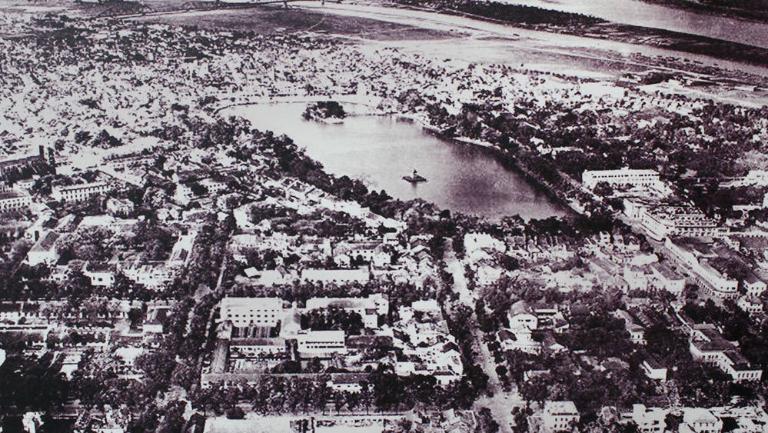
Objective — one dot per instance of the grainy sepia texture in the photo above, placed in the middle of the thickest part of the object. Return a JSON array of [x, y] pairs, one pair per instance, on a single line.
[[383, 216]]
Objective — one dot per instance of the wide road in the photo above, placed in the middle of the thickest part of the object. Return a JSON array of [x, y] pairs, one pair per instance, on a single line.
[[501, 402]]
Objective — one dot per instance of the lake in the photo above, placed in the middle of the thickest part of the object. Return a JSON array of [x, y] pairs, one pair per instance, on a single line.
[[380, 150]]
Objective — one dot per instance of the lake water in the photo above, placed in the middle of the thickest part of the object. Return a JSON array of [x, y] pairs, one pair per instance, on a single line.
[[637, 12], [380, 150]]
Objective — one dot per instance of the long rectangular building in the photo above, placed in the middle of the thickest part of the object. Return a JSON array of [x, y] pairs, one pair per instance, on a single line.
[[622, 176]]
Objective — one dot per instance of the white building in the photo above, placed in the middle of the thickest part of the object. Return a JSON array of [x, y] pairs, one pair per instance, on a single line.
[[14, 200], [338, 276], [694, 256], [153, 276], [753, 285], [101, 274], [708, 346], [653, 369], [623, 176], [320, 343], [79, 192], [44, 250], [648, 420], [521, 316], [252, 311], [559, 416], [700, 420], [664, 221]]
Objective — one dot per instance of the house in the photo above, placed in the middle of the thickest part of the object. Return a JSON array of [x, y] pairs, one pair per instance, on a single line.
[[700, 420], [153, 276], [119, 207], [754, 285], [487, 273], [374, 252], [559, 416], [347, 382], [521, 316], [44, 250], [648, 420], [654, 369], [635, 330], [257, 346], [154, 318], [664, 278], [14, 200], [101, 274], [751, 305], [520, 339]]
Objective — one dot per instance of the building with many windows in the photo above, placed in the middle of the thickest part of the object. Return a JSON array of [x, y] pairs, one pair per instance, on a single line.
[[622, 176], [664, 221], [252, 311], [709, 347], [559, 416], [79, 192], [14, 200], [320, 344]]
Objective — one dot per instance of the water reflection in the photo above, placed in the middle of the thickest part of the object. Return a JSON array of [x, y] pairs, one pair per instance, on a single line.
[[381, 150]]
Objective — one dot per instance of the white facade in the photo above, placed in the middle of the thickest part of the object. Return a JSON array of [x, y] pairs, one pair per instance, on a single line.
[[252, 311], [623, 176], [79, 192], [648, 420], [559, 416], [663, 221], [699, 420], [360, 275], [44, 250], [11, 200], [320, 343]]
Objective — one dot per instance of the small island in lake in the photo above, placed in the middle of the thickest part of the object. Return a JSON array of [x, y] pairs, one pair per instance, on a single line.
[[326, 111], [415, 178]]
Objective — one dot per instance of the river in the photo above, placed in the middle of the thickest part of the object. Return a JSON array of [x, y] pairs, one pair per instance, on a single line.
[[380, 150], [639, 13]]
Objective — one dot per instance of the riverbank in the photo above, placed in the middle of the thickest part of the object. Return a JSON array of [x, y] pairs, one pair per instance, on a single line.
[[573, 24]]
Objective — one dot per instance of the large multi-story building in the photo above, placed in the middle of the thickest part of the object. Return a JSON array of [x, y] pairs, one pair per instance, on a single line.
[[695, 256], [700, 420], [14, 200], [14, 163], [709, 347], [79, 192], [664, 221], [320, 344], [622, 176], [559, 416], [252, 311]]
